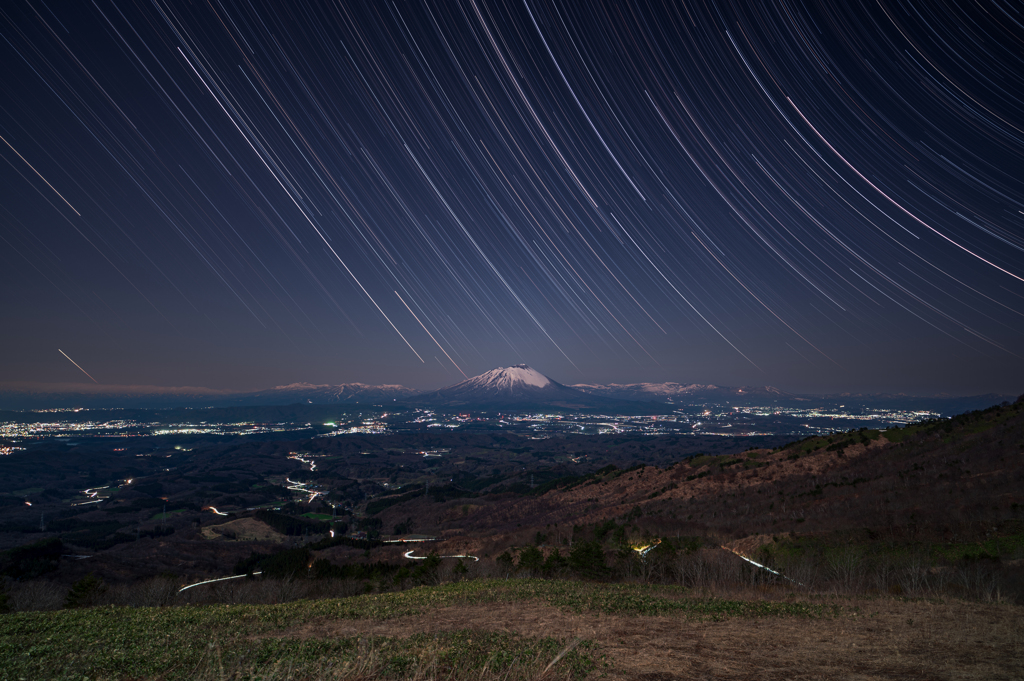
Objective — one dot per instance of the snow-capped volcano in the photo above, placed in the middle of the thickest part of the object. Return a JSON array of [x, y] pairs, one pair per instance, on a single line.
[[506, 387], [509, 378]]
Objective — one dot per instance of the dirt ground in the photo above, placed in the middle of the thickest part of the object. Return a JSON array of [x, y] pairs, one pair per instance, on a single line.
[[874, 639]]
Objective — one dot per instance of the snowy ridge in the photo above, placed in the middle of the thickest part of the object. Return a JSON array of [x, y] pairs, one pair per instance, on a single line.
[[327, 394], [672, 392], [655, 389], [342, 387]]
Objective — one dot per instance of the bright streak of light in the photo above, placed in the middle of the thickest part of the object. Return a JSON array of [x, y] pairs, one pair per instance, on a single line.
[[646, 548], [76, 364], [301, 487], [219, 579], [431, 335], [893, 202], [763, 567], [408, 554], [41, 178]]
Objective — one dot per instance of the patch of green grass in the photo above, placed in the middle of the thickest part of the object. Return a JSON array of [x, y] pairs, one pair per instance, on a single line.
[[900, 434], [1007, 545], [703, 460], [116, 642], [163, 516], [811, 444], [27, 491], [804, 447], [318, 516]]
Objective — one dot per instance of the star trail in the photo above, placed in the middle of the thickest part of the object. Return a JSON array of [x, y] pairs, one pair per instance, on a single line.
[[817, 196]]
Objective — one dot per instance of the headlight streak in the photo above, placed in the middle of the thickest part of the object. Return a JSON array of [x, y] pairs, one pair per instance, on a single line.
[[408, 554], [219, 579], [763, 567]]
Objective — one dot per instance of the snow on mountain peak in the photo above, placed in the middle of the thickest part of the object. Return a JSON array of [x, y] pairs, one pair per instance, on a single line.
[[507, 378]]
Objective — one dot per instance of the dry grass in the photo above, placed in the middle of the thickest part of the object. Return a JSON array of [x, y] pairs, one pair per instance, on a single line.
[[873, 639]]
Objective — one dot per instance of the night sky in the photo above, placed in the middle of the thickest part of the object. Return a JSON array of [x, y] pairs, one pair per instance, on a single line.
[[821, 197]]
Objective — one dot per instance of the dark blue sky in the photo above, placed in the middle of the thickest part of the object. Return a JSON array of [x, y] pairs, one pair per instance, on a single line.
[[816, 196]]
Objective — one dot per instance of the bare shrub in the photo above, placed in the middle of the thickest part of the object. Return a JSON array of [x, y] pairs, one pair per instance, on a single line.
[[978, 580], [37, 595], [912, 576], [803, 570], [883, 574], [692, 570], [151, 593], [711, 570], [844, 566]]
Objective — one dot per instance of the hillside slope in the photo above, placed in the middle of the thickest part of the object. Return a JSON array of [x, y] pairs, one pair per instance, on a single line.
[[950, 480]]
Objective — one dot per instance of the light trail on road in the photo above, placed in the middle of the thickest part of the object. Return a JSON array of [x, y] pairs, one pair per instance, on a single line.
[[763, 567], [408, 554], [219, 579], [301, 487]]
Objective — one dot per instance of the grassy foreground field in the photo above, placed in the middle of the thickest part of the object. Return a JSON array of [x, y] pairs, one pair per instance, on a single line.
[[517, 629]]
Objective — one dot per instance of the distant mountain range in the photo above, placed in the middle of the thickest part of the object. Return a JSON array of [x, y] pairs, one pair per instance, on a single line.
[[146, 397], [355, 393], [677, 392], [516, 387]]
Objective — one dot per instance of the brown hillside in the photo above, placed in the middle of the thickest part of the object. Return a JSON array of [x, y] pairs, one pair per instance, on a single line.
[[949, 480]]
